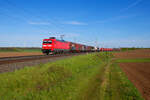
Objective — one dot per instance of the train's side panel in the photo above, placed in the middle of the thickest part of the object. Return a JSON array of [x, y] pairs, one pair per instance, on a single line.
[[89, 48], [60, 46], [80, 48], [108, 49], [75, 47], [72, 47]]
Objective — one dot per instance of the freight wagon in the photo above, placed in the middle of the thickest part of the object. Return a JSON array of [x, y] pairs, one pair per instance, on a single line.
[[53, 46]]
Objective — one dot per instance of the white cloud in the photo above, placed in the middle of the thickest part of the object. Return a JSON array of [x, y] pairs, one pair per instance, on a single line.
[[116, 18], [39, 23], [75, 23], [132, 5]]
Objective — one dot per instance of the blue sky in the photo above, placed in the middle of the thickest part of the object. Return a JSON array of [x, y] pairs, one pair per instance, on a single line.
[[107, 23]]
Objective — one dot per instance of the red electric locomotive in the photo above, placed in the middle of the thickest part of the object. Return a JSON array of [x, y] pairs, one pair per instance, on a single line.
[[52, 45]]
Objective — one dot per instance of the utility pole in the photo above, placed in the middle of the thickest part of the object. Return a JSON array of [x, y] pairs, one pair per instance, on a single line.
[[61, 37], [96, 43], [74, 40]]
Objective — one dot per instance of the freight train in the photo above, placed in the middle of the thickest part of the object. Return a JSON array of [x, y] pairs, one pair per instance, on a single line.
[[54, 46], [109, 49]]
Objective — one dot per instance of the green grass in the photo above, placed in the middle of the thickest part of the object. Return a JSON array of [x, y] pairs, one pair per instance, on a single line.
[[133, 48], [86, 77], [118, 86], [17, 49], [61, 80], [133, 60]]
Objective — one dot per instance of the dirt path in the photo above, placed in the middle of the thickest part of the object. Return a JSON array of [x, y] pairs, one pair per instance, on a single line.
[[139, 74], [94, 90]]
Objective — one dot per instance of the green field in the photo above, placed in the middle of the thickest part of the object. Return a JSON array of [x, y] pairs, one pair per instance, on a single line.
[[93, 76], [126, 49], [133, 60], [17, 49]]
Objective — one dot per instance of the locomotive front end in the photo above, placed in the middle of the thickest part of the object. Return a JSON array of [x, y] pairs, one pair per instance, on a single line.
[[47, 46]]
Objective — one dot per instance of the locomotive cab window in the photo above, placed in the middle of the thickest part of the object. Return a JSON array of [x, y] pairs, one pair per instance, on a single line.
[[44, 42], [47, 42]]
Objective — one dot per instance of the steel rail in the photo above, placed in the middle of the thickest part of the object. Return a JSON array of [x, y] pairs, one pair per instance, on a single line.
[[8, 60]]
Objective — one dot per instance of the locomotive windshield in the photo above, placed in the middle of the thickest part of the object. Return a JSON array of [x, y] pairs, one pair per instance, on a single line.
[[47, 42]]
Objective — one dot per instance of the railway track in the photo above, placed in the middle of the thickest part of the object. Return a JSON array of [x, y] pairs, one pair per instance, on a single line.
[[9, 64], [8, 60]]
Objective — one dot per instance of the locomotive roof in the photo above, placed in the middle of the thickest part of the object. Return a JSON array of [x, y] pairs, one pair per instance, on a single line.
[[57, 40], [61, 40]]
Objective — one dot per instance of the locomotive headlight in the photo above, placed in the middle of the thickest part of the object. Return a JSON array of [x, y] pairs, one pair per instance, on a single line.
[[49, 45], [44, 45]]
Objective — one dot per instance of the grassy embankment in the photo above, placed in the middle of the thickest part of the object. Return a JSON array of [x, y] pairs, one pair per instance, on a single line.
[[17, 49], [86, 77]]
